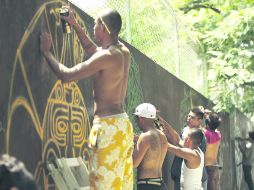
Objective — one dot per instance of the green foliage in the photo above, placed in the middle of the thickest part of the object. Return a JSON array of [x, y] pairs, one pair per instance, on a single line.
[[227, 43]]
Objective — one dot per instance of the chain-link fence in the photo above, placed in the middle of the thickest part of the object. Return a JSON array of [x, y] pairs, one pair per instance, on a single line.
[[154, 28]]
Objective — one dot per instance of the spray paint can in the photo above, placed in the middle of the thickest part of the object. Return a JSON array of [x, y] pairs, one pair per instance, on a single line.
[[65, 25]]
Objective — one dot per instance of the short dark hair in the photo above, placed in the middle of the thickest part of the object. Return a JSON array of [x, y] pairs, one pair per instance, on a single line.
[[112, 19], [213, 121], [196, 136], [198, 112], [14, 174]]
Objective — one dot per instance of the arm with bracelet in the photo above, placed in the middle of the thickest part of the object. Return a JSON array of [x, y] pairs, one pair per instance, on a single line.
[[89, 46]]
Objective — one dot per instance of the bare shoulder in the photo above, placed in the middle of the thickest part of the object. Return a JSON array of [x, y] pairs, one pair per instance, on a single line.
[[111, 54], [162, 136], [101, 53], [144, 138], [192, 158], [124, 48], [196, 155], [145, 135], [149, 135], [115, 52], [161, 133]]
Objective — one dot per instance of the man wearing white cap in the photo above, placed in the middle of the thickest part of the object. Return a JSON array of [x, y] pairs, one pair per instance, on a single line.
[[150, 149]]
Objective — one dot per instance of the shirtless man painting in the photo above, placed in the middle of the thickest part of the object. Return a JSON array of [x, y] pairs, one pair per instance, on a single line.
[[108, 65], [213, 140], [150, 150]]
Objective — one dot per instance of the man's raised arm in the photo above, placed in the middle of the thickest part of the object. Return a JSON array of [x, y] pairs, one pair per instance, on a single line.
[[99, 61], [88, 45], [191, 156], [172, 136]]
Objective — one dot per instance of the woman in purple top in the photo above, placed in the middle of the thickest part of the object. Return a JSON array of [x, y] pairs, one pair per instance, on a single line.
[[213, 137]]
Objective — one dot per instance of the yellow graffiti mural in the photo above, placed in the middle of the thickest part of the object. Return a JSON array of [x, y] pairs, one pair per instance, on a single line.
[[64, 129]]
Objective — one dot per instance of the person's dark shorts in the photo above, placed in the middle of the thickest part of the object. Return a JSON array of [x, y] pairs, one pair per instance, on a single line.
[[151, 184]]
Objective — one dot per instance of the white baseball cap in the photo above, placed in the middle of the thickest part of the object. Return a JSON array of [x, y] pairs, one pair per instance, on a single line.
[[146, 110]]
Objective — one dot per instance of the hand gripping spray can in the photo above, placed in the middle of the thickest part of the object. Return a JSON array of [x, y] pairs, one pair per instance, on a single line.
[[65, 25]]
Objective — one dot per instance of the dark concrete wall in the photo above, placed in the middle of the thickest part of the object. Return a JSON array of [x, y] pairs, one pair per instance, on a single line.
[[40, 118]]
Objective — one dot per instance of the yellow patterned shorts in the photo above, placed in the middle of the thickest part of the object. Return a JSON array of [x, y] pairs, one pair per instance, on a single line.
[[111, 143]]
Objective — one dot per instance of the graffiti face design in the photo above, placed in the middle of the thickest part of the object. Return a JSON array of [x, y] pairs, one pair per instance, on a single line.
[[60, 126], [65, 122]]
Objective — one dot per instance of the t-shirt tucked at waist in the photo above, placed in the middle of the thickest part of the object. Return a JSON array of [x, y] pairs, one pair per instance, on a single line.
[[212, 136]]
